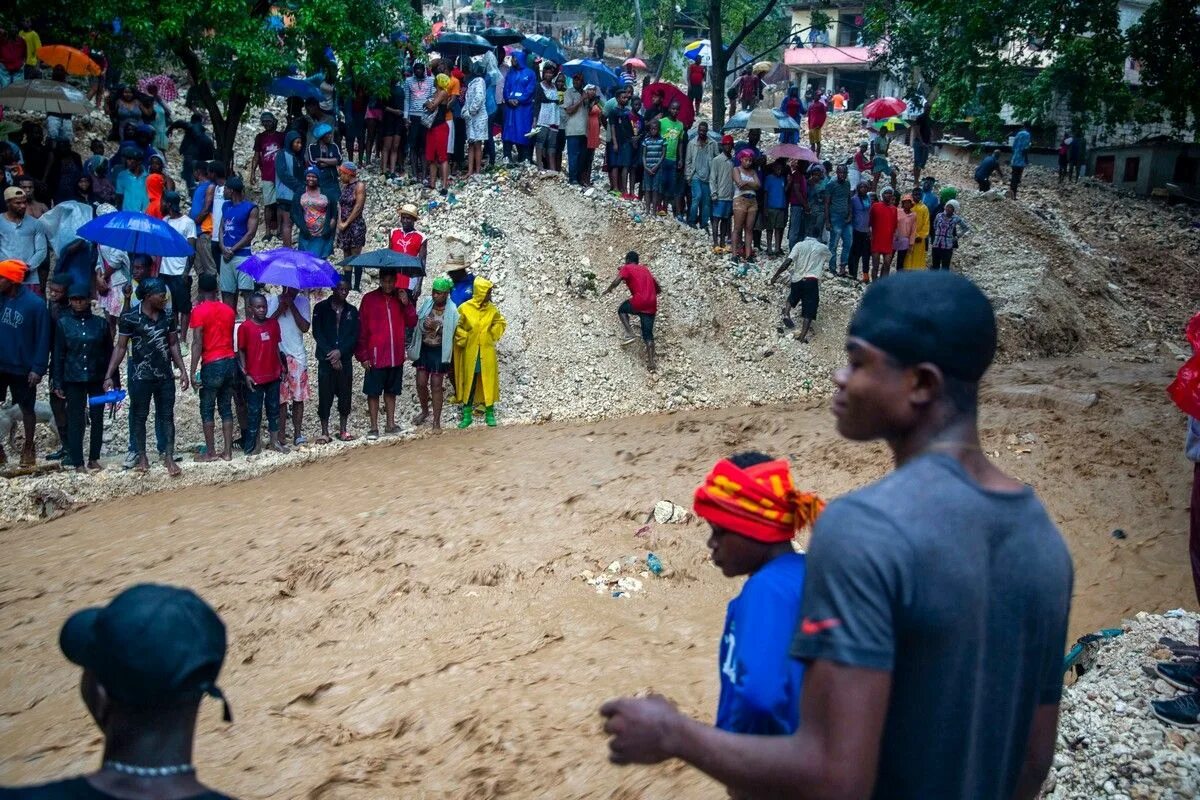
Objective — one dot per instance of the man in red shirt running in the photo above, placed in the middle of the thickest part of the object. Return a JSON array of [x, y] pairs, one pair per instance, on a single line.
[[643, 302]]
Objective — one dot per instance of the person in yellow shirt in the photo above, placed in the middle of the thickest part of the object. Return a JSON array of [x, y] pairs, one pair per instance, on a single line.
[[476, 372], [32, 43], [916, 252]]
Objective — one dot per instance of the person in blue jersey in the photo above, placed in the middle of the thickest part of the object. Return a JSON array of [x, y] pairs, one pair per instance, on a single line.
[[755, 511]]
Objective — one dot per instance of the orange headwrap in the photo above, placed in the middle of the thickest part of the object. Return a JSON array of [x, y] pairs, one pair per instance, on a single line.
[[759, 502], [13, 269]]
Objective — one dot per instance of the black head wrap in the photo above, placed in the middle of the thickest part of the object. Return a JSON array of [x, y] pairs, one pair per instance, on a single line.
[[929, 317]]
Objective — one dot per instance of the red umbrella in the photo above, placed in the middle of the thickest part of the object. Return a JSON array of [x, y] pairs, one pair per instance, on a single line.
[[793, 152], [636, 63], [884, 107], [670, 93], [166, 87]]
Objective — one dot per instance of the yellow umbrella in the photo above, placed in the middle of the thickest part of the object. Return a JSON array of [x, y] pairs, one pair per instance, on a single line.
[[75, 62], [763, 66]]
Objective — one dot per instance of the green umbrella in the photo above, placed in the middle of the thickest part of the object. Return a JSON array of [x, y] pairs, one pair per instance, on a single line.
[[889, 124]]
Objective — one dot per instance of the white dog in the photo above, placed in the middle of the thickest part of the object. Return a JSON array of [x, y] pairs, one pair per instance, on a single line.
[[10, 422]]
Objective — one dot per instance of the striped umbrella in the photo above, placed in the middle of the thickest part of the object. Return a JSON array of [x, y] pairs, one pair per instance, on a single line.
[[699, 49]]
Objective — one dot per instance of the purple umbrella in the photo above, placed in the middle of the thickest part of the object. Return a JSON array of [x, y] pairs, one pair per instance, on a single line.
[[294, 268]]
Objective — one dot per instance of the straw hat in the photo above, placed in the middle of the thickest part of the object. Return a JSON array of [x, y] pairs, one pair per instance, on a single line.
[[409, 210]]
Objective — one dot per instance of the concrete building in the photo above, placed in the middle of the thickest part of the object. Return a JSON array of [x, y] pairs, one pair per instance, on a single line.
[[837, 56]]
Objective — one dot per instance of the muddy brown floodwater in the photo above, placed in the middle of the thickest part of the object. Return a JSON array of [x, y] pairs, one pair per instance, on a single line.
[[407, 621]]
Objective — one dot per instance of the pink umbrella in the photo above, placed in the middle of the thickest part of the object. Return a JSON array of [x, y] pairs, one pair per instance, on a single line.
[[166, 86], [793, 152], [636, 63], [884, 107]]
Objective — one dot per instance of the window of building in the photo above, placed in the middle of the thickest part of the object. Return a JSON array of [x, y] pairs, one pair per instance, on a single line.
[[1131, 169], [849, 30]]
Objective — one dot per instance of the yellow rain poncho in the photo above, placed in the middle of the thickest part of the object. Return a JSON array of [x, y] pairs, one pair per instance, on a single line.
[[480, 326], [916, 254]]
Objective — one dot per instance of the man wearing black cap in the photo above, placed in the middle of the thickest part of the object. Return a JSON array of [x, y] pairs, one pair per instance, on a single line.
[[148, 658], [936, 600]]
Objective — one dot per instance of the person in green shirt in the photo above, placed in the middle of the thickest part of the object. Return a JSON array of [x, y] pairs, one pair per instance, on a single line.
[[672, 132]]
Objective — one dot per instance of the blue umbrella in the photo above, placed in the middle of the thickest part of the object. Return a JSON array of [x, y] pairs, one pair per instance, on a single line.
[[135, 232], [543, 46], [284, 266], [286, 86], [594, 72]]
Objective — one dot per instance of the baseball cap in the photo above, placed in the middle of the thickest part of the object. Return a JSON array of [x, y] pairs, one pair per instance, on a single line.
[[727, 139], [13, 193], [152, 646]]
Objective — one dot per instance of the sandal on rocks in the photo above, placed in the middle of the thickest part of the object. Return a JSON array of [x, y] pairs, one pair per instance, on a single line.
[[372, 436]]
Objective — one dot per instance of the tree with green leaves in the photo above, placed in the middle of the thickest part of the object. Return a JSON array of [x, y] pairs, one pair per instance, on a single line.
[[1166, 44], [1034, 58], [230, 52]]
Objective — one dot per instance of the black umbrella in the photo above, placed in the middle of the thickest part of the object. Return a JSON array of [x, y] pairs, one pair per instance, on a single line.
[[458, 45], [502, 36], [386, 259]]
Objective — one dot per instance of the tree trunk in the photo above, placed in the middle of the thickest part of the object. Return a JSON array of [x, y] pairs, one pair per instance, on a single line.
[[639, 27], [666, 53], [716, 72], [225, 131]]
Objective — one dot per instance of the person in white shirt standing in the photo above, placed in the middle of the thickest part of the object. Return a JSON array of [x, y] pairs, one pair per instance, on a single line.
[[174, 269], [807, 262], [294, 313]]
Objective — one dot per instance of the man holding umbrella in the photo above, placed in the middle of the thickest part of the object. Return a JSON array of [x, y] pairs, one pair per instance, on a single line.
[[410, 241]]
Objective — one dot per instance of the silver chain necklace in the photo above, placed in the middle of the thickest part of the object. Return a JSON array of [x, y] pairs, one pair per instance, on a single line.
[[149, 772]]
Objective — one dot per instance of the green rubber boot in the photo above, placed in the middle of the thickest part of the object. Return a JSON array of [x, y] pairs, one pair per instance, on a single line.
[[467, 417], [489, 416]]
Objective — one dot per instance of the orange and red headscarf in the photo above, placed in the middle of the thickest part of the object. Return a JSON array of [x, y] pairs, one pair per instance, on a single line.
[[13, 269], [759, 502]]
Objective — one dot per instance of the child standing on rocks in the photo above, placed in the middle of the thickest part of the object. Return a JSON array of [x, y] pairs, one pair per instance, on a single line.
[[643, 302]]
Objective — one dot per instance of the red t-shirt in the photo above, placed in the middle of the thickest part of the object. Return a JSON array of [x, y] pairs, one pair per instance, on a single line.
[[260, 343], [266, 145], [817, 113], [643, 289], [410, 243], [215, 319], [696, 75]]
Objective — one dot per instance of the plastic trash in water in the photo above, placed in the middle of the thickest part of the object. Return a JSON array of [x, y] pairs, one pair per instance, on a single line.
[[654, 564], [115, 396]]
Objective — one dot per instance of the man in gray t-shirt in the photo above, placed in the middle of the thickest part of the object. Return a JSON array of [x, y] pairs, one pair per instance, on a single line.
[[934, 615]]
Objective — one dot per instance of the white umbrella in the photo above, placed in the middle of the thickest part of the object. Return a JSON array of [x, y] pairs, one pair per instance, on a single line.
[[47, 97]]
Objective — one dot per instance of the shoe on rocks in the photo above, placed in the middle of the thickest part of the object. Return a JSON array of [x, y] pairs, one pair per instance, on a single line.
[[57, 455], [1184, 676], [1182, 712], [489, 416], [468, 415]]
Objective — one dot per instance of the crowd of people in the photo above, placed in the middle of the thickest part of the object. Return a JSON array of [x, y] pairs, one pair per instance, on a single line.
[[834, 665]]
